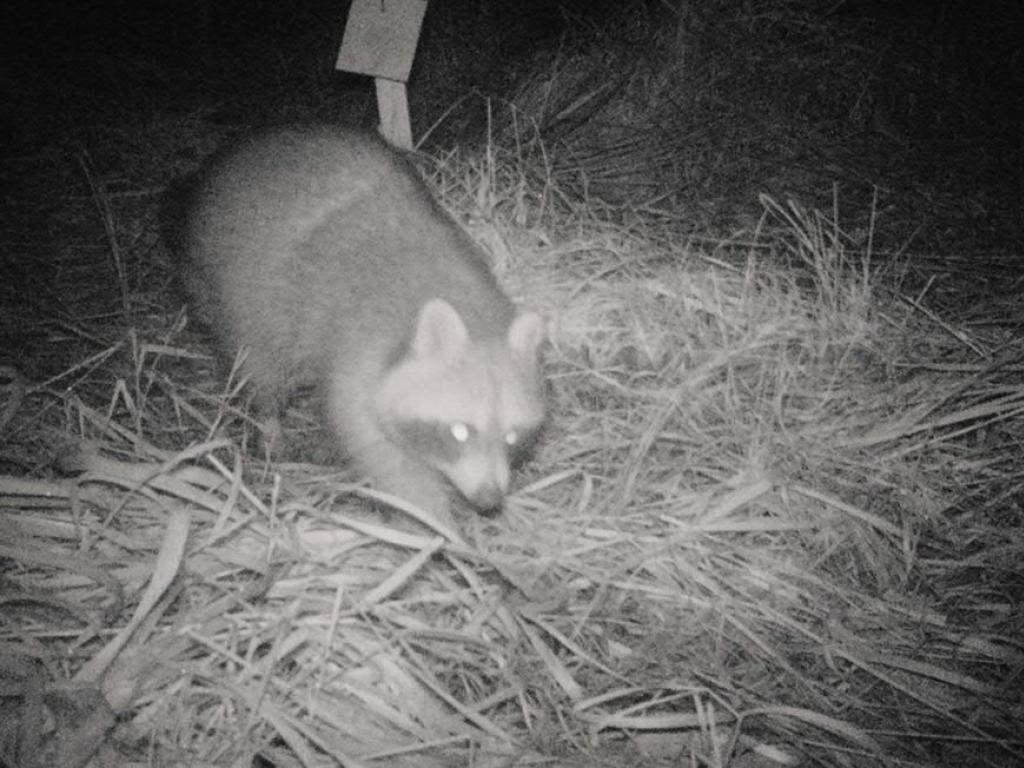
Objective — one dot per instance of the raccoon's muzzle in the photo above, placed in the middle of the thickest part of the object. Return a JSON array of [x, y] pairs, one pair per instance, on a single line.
[[487, 499]]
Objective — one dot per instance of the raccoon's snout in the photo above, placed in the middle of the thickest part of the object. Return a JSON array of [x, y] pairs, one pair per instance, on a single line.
[[482, 479], [487, 499]]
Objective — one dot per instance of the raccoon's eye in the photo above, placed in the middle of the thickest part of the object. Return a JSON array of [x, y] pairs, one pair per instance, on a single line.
[[460, 432], [520, 441]]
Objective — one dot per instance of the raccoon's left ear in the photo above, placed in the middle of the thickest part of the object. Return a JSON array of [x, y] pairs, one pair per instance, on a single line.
[[526, 334], [439, 331]]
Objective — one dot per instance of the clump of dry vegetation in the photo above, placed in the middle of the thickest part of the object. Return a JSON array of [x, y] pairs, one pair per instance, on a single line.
[[775, 519]]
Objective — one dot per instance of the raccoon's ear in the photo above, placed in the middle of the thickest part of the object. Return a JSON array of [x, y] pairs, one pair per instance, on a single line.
[[439, 331], [526, 334]]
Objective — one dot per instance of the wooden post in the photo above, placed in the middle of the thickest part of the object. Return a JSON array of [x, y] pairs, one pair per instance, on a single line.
[[380, 41]]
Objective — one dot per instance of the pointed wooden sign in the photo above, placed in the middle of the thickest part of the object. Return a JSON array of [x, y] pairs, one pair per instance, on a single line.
[[380, 40]]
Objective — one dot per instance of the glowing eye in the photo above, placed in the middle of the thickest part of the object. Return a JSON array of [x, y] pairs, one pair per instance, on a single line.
[[511, 438], [460, 432]]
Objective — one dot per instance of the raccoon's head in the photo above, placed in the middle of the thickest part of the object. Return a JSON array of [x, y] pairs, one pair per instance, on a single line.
[[468, 408]]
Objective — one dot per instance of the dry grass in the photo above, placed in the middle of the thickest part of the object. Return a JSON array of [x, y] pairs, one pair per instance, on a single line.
[[773, 521]]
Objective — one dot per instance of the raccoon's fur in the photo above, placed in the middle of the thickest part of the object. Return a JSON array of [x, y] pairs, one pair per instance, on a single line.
[[321, 253]]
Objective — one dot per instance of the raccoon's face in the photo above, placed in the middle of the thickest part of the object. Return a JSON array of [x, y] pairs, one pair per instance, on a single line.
[[468, 409]]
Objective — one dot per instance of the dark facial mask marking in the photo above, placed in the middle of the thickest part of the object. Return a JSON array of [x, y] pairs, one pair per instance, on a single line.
[[433, 439]]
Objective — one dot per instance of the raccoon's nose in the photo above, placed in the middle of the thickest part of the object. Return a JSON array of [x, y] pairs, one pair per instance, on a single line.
[[487, 499]]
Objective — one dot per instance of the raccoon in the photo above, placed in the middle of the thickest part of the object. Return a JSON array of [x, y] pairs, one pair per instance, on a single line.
[[321, 253]]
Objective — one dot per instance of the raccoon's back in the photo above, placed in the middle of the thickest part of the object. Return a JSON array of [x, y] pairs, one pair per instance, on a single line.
[[306, 240]]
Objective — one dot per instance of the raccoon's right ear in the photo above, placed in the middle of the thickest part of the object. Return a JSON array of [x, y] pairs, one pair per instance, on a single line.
[[440, 331], [526, 334]]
